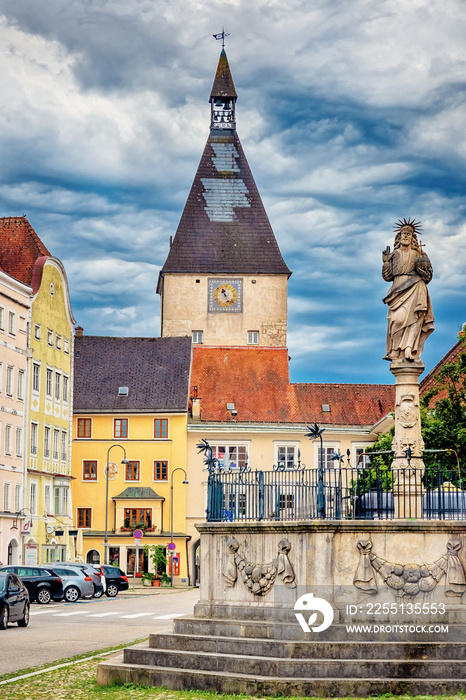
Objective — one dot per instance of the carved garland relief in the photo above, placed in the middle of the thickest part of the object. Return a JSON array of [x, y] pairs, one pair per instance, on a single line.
[[410, 579], [259, 578]]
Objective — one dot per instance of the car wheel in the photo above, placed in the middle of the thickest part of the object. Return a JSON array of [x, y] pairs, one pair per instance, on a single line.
[[71, 594], [4, 615], [43, 596], [25, 621], [98, 594], [112, 590]]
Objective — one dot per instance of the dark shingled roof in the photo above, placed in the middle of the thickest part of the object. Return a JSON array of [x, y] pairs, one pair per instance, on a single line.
[[155, 370], [20, 247], [140, 492], [223, 82], [224, 228]]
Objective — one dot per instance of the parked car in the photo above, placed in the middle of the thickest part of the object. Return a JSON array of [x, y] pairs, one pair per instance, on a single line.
[[14, 601], [89, 570], [115, 579], [43, 586], [76, 583]]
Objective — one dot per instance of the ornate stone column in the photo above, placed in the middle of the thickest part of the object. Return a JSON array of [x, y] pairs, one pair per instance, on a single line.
[[408, 445]]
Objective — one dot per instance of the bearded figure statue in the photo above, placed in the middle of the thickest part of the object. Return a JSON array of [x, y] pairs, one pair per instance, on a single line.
[[410, 316]]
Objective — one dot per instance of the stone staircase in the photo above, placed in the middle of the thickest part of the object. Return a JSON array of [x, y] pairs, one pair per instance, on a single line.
[[262, 658]]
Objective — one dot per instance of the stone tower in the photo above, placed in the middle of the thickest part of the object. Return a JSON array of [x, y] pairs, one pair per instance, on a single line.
[[224, 280]]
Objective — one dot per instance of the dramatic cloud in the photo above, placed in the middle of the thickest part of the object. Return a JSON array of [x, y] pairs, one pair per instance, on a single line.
[[351, 115]]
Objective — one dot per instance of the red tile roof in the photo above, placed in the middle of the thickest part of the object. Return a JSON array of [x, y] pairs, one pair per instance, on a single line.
[[256, 381], [20, 247], [429, 381]]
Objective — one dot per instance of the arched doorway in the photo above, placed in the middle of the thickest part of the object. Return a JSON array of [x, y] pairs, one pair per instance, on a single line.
[[93, 556], [196, 563], [13, 552]]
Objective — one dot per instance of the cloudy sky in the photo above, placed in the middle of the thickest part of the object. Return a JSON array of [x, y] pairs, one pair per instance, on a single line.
[[352, 114]]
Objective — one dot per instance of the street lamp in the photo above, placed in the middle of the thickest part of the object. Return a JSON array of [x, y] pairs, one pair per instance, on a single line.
[[314, 433], [123, 461], [185, 481]]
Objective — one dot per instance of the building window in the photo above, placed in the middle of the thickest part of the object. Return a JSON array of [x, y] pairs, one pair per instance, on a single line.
[[33, 498], [253, 337], [48, 382], [132, 471], [37, 331], [56, 439], [120, 428], [66, 346], [46, 442], [65, 388], [8, 439], [51, 289], [19, 442], [161, 428], [361, 459], [11, 323], [49, 337], [138, 516], [2, 318], [34, 433], [90, 470], [6, 496], [57, 386], [84, 427], [286, 501], [20, 385], [35, 377], [327, 454], [84, 517], [1, 376], [47, 499], [287, 456], [58, 342], [64, 439], [9, 380], [60, 494], [17, 498], [53, 553], [161, 470], [198, 337], [230, 456]]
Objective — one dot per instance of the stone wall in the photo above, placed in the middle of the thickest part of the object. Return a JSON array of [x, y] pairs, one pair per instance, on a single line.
[[324, 557]]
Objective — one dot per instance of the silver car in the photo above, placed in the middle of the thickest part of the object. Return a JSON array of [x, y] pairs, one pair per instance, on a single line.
[[95, 575], [76, 584]]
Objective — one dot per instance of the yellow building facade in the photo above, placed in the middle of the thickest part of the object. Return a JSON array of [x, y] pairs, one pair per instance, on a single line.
[[120, 420], [50, 536]]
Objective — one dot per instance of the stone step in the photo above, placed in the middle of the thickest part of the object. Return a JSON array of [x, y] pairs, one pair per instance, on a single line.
[[311, 649], [259, 686], [295, 668], [408, 631]]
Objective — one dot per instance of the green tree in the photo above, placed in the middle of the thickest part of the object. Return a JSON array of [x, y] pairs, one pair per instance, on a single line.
[[443, 420]]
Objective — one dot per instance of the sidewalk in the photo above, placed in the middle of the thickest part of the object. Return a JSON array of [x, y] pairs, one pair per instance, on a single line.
[[140, 589]]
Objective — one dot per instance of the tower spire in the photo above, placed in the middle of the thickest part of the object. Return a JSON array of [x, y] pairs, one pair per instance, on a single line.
[[223, 94]]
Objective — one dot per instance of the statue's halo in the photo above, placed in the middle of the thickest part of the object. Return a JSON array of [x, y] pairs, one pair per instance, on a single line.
[[401, 223]]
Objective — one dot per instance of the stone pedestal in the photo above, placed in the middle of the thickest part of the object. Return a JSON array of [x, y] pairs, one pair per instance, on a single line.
[[408, 445]]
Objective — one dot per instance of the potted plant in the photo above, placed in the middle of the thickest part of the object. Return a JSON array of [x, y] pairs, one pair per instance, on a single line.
[[148, 578], [166, 581], [156, 554]]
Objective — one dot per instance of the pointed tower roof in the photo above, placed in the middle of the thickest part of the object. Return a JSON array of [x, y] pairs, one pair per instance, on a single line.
[[224, 228], [223, 82]]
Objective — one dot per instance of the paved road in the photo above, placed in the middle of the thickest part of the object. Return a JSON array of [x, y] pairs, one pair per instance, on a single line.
[[60, 630]]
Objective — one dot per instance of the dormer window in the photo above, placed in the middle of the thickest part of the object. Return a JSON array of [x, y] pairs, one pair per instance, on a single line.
[[123, 391]]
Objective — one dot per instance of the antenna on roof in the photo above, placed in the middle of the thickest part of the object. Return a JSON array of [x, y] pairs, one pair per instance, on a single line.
[[221, 36]]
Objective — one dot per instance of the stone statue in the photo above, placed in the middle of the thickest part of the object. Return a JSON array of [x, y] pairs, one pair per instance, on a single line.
[[410, 316]]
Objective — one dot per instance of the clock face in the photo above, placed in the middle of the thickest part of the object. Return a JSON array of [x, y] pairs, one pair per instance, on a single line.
[[225, 295]]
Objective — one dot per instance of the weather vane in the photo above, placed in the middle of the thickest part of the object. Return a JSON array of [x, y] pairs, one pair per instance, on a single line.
[[221, 36]]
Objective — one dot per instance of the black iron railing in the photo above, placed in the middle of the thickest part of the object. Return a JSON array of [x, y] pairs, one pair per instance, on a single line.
[[364, 492]]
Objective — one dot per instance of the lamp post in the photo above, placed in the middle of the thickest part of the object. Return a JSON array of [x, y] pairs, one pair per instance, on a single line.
[[185, 481], [123, 461]]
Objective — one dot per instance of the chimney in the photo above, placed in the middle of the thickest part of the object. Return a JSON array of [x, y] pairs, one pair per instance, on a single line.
[[79, 332], [196, 408]]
